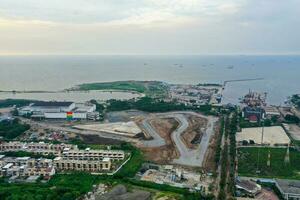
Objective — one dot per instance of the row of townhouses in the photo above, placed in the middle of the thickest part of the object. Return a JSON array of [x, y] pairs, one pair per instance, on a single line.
[[68, 158], [67, 151]]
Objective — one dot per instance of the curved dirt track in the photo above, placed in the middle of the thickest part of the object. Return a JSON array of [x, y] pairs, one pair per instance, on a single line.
[[190, 157]]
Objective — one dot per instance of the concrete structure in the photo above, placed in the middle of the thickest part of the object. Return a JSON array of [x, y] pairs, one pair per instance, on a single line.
[[289, 189], [271, 111], [61, 110], [129, 129], [273, 136], [26, 166], [63, 164]]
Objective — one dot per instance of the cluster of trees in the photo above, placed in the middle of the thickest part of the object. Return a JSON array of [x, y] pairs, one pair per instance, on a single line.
[[144, 104], [232, 153], [14, 102], [133, 165], [292, 119], [149, 104], [296, 100], [63, 187], [12, 129], [219, 143], [227, 183]]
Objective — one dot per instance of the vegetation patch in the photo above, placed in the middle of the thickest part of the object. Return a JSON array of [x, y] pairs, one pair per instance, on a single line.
[[14, 102], [248, 163], [148, 104], [12, 129], [149, 88]]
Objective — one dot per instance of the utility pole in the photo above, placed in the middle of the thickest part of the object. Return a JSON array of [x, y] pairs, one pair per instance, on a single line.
[[287, 156], [261, 142]]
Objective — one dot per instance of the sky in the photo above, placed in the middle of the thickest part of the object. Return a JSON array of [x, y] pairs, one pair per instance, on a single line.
[[149, 27]]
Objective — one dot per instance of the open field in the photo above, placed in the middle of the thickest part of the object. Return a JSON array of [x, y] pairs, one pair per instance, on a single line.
[[274, 135], [247, 163]]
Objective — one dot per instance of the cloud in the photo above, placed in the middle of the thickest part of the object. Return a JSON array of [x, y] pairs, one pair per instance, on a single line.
[[149, 26], [113, 11]]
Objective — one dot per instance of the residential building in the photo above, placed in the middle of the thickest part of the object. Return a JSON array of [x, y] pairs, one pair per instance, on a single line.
[[26, 166], [63, 164], [89, 154]]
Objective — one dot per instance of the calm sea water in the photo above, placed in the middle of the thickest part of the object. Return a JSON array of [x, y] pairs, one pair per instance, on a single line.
[[281, 73]]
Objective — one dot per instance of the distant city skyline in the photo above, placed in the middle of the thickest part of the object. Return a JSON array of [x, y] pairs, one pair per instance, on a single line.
[[149, 27]]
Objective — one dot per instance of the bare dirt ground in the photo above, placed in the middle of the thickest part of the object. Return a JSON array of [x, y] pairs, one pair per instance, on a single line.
[[163, 154], [192, 136], [95, 139]]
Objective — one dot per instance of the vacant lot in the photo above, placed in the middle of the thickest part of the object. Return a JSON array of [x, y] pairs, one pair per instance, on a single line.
[[248, 159], [274, 135], [95, 139]]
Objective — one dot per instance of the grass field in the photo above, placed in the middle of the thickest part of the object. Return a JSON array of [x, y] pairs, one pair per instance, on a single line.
[[149, 88], [247, 163]]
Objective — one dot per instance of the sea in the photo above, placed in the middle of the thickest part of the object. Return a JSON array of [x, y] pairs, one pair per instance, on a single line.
[[279, 74]]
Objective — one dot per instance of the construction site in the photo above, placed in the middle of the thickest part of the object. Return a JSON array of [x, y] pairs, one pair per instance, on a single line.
[[180, 138]]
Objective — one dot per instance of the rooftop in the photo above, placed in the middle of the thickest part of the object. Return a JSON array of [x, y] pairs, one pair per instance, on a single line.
[[289, 186], [53, 103]]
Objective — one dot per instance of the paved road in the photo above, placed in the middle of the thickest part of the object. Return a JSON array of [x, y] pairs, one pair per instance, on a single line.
[[192, 157], [156, 140]]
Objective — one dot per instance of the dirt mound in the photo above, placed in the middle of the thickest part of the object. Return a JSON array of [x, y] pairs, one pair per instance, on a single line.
[[192, 136]]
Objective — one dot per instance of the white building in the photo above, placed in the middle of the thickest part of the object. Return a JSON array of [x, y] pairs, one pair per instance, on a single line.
[[61, 110]]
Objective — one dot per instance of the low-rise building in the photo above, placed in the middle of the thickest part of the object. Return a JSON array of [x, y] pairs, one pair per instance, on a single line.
[[247, 187], [26, 166], [271, 111], [253, 114], [89, 154], [60, 110], [63, 164], [36, 147], [289, 189], [67, 151]]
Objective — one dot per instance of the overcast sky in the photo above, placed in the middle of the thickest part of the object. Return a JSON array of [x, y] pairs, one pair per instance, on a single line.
[[149, 26]]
